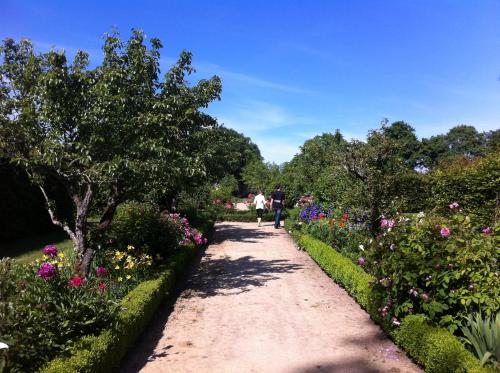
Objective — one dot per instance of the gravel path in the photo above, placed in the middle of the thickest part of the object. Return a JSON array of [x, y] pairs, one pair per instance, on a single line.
[[256, 304]]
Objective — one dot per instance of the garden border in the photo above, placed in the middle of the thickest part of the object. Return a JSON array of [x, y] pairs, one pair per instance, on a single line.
[[104, 352], [436, 349]]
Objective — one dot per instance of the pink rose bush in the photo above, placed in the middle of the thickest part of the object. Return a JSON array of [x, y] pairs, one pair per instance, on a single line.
[[443, 267]]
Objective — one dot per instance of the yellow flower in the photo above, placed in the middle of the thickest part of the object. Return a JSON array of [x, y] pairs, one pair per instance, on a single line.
[[130, 265], [129, 259], [130, 248], [59, 265], [119, 254], [117, 267], [45, 257], [129, 277], [120, 279], [61, 255], [68, 265]]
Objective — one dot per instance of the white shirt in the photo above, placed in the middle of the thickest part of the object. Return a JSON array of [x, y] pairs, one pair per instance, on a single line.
[[259, 201]]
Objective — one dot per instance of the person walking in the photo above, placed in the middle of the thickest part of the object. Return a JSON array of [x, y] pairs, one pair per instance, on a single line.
[[277, 203], [259, 202]]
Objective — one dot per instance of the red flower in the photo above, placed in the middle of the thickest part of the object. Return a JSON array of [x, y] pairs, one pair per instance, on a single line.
[[102, 286], [76, 281]]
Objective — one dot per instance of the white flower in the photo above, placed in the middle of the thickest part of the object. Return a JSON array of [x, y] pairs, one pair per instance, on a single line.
[[420, 215], [361, 247], [3, 346]]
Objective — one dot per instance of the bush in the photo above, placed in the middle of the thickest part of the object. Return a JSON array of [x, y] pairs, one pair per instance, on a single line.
[[471, 183], [48, 314], [141, 225], [442, 267], [435, 348]]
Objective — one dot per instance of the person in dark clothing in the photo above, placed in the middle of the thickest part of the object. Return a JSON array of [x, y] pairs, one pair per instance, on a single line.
[[277, 204]]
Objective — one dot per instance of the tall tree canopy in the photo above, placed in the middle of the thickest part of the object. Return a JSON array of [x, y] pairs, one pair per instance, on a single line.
[[106, 134]]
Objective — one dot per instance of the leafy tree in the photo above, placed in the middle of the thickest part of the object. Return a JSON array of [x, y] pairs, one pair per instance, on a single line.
[[409, 145], [106, 134], [262, 176]]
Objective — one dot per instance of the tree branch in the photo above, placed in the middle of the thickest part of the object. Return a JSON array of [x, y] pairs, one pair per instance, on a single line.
[[113, 202], [53, 218]]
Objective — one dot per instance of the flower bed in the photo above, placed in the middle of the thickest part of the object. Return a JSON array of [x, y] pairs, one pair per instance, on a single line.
[[45, 308], [435, 348], [103, 352]]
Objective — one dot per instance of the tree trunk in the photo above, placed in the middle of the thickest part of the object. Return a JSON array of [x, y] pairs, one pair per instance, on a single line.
[[84, 252]]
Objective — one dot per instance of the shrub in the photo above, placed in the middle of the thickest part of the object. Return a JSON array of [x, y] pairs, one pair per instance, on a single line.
[[472, 183], [49, 311], [141, 225], [442, 267]]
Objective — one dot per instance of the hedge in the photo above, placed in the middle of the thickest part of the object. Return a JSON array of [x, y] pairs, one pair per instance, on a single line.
[[247, 216], [103, 352], [435, 348]]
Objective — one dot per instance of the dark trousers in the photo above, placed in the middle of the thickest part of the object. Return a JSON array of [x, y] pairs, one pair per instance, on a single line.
[[277, 217]]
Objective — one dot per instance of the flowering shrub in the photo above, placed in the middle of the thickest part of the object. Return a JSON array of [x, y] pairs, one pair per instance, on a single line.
[[442, 267], [49, 308], [334, 227]]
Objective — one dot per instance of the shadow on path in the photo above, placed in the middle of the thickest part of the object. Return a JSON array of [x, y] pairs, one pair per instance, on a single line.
[[234, 233], [209, 277], [225, 276]]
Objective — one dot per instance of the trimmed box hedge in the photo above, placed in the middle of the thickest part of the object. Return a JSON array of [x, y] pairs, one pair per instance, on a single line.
[[103, 352], [436, 349], [248, 216]]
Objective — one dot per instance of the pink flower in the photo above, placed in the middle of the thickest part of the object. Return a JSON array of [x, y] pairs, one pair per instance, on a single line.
[[361, 261], [395, 321], [50, 250], [445, 232], [47, 271], [454, 205], [76, 281], [102, 286], [487, 231], [424, 296], [101, 272], [383, 223]]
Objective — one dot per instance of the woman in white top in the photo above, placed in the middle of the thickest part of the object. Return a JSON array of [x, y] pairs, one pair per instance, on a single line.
[[259, 202]]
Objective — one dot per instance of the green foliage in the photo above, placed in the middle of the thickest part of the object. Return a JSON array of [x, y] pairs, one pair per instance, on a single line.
[[103, 352], [261, 176], [435, 348], [471, 183], [142, 226], [420, 270], [225, 190], [483, 334], [108, 134], [45, 317]]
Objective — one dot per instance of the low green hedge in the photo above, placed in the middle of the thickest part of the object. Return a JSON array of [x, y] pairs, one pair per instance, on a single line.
[[247, 216], [103, 352], [435, 348]]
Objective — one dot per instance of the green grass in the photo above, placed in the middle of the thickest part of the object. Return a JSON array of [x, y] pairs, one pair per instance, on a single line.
[[27, 249]]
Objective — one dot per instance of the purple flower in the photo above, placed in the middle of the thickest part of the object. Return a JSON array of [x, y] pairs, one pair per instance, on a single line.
[[361, 261], [454, 205], [50, 250], [101, 272], [389, 223], [487, 231], [47, 271], [445, 232]]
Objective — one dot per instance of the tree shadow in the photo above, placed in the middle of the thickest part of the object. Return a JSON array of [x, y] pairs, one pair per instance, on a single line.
[[226, 276], [344, 366], [235, 233]]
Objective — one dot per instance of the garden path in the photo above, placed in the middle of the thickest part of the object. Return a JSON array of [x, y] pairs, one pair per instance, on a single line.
[[254, 303]]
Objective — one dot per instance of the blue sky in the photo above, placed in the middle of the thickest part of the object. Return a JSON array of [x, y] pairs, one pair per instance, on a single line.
[[294, 69]]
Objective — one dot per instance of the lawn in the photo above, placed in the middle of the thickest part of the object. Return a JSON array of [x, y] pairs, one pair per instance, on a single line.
[[28, 249]]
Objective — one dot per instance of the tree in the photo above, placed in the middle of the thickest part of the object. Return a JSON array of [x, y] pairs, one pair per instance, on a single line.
[[404, 135], [106, 134]]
